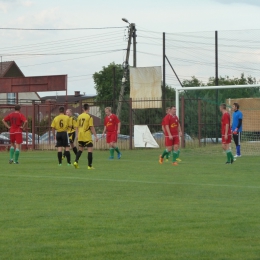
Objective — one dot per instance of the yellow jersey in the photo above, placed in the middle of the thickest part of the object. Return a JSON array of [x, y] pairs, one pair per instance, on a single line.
[[72, 125], [60, 123], [84, 122]]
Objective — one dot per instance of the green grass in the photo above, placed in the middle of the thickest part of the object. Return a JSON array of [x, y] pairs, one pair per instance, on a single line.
[[131, 208]]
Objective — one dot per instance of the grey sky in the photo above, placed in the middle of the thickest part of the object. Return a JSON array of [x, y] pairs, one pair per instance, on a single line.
[[170, 16]]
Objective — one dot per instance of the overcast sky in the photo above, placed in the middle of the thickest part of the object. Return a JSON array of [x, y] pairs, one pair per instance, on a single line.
[[80, 53]]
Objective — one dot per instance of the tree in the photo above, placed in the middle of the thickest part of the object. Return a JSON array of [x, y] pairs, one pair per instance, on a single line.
[[104, 82]]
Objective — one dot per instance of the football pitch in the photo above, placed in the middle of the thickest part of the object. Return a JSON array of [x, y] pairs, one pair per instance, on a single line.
[[132, 208]]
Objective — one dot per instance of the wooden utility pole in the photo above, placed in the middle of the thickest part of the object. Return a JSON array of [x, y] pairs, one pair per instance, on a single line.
[[125, 69]]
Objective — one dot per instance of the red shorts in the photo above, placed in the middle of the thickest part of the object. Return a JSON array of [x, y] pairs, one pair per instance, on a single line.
[[228, 141], [16, 138], [111, 137], [175, 141]]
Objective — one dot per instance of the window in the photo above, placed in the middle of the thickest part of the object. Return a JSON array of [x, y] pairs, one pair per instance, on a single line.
[[11, 98]]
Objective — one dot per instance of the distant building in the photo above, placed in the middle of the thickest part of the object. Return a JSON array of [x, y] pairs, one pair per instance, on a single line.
[[74, 102], [9, 69]]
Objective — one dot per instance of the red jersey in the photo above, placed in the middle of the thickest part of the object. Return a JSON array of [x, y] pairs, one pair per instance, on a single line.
[[16, 121], [225, 121], [173, 123], [163, 121], [111, 123]]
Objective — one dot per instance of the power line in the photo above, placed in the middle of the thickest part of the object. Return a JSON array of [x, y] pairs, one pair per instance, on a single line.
[[59, 29]]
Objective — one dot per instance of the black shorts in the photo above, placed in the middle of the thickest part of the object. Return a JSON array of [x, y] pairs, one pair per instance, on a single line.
[[72, 137], [85, 144], [62, 139]]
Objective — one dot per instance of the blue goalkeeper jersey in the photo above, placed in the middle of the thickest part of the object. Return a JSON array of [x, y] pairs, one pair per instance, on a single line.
[[236, 116]]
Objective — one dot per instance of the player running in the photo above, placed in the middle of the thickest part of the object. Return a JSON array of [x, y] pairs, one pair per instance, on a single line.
[[112, 129], [61, 124], [172, 135], [17, 123], [71, 131], [85, 128], [226, 133]]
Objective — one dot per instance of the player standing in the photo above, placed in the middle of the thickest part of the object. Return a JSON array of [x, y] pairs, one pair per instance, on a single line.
[[165, 152], [85, 129], [71, 131], [112, 129], [173, 134], [226, 133], [61, 124], [17, 123], [237, 127]]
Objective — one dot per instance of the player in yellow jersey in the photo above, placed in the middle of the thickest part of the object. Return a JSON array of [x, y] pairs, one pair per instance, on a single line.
[[61, 124], [85, 129], [71, 132]]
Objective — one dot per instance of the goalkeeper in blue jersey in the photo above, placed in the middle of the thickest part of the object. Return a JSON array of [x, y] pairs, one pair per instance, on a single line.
[[237, 127]]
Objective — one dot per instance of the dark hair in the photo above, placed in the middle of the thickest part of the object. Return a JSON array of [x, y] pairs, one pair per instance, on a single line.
[[61, 109], [86, 107], [17, 107], [223, 105], [236, 105]]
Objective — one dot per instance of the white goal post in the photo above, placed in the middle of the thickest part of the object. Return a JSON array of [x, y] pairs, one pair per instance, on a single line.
[[200, 127], [181, 89]]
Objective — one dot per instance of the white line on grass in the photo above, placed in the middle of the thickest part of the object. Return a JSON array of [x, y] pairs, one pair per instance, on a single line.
[[132, 181]]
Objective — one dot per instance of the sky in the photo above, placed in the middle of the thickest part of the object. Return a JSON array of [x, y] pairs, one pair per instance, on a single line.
[[80, 53]]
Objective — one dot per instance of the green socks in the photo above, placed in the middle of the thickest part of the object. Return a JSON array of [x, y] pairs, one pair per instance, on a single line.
[[174, 156], [165, 153], [11, 153], [112, 150], [178, 152], [229, 156], [16, 155], [117, 150]]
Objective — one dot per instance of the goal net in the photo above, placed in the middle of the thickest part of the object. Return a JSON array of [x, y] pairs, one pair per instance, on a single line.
[[201, 119]]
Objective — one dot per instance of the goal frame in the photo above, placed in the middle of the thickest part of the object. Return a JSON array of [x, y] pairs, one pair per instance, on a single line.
[[178, 90]]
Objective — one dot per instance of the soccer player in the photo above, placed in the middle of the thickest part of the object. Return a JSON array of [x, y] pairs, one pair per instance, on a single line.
[[237, 127], [85, 127], [172, 134], [226, 133], [61, 124], [165, 152], [112, 129], [71, 131], [17, 123]]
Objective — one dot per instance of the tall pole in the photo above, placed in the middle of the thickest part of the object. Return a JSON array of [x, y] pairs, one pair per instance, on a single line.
[[163, 85], [216, 83], [134, 45], [125, 71], [114, 88]]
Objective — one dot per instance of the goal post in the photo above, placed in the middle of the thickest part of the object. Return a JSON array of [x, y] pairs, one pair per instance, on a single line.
[[201, 119]]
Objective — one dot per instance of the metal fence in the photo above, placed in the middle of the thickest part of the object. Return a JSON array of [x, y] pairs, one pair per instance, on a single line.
[[197, 117]]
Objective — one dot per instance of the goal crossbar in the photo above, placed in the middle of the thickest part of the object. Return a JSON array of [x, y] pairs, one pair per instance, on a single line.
[[181, 89]]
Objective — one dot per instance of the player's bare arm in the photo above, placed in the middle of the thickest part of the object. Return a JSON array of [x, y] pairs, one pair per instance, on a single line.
[[226, 131], [53, 133], [118, 128], [163, 129], [168, 131], [5, 123], [104, 131], [24, 124], [93, 131], [180, 132]]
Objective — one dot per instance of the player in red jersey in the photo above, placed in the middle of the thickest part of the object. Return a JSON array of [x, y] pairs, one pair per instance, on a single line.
[[17, 123], [172, 134], [226, 133], [165, 152], [112, 129]]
